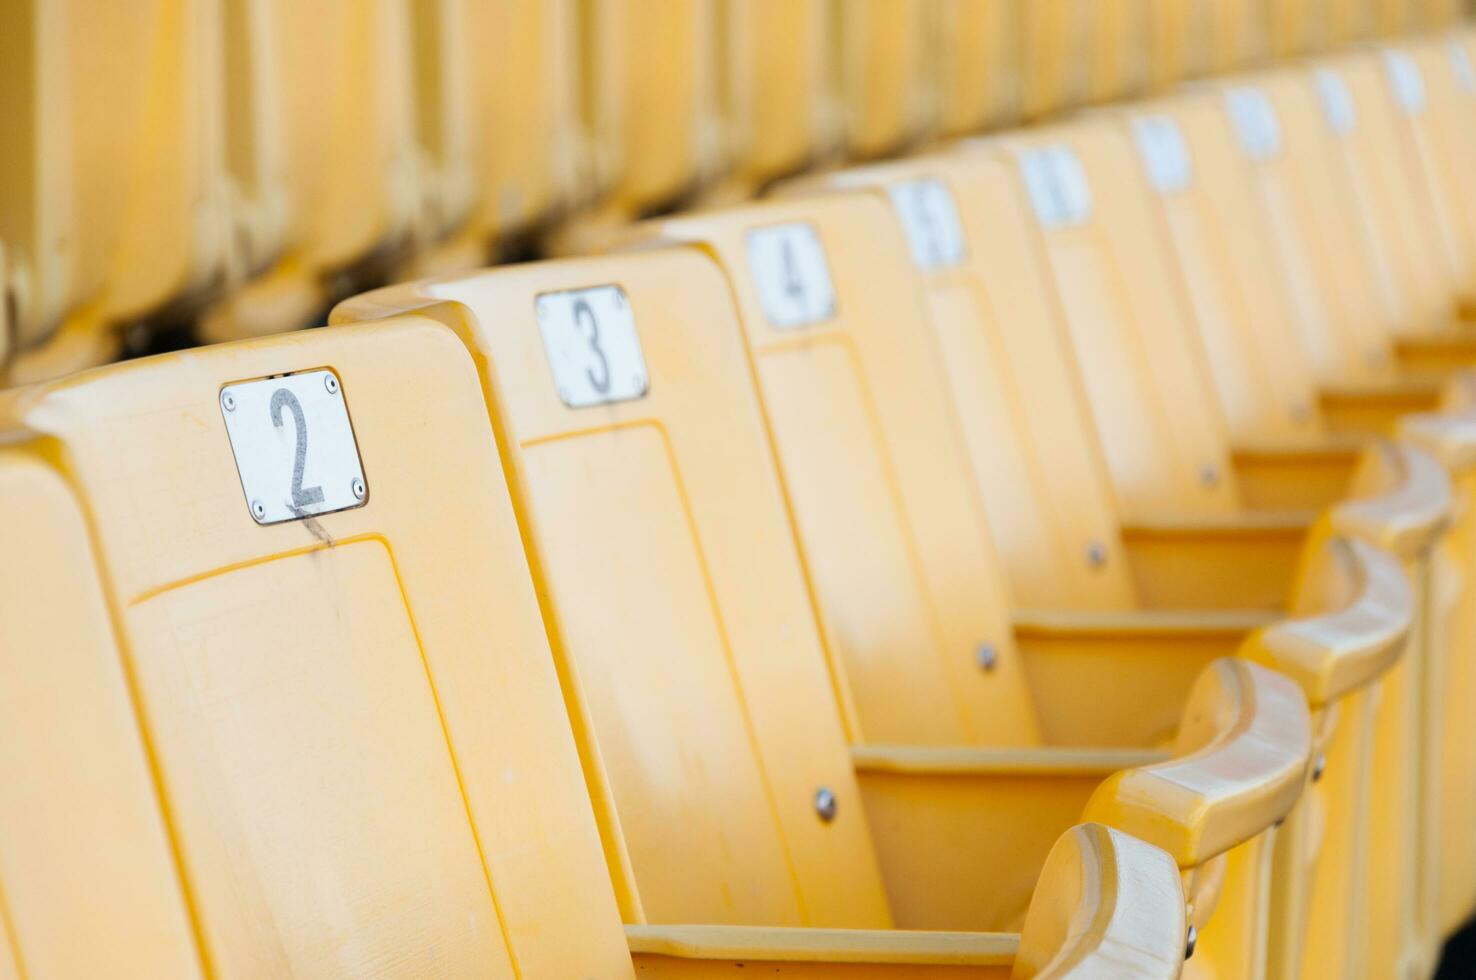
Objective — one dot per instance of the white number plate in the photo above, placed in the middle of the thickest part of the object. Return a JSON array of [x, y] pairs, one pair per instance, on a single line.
[[592, 346], [1057, 185], [294, 446], [1406, 80], [1165, 155], [1460, 61], [1255, 122], [792, 275], [930, 218], [1337, 102]]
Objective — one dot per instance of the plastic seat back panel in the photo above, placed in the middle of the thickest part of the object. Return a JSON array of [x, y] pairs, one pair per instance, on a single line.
[[892, 529], [1143, 370], [1025, 423], [1219, 241], [82, 842], [324, 693], [677, 603]]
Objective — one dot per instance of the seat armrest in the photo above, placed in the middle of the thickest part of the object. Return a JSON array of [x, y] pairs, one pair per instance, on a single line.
[[1239, 767], [1402, 500], [1333, 653], [1090, 916]]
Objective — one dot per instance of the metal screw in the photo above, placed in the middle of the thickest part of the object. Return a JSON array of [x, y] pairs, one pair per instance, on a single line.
[[1096, 554], [987, 656], [1209, 474], [1190, 942], [825, 804], [228, 400], [358, 487], [258, 510], [1319, 766], [331, 383]]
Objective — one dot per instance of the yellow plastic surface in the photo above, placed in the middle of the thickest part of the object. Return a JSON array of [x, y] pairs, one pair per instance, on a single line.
[[775, 85], [979, 78], [884, 69], [724, 674], [111, 182], [84, 851], [353, 720]]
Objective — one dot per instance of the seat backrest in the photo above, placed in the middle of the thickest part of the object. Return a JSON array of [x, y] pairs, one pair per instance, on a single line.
[[1219, 240], [643, 115], [1057, 43], [1182, 33], [1398, 207], [327, 669], [911, 594], [1349, 21], [979, 78], [1026, 427], [1318, 239], [1121, 50], [84, 851], [775, 70], [883, 71], [1443, 142], [1145, 375], [1240, 33], [345, 71], [674, 595], [111, 180]]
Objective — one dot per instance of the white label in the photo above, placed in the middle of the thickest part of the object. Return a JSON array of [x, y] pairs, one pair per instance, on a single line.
[[930, 217], [1040, 185], [592, 346], [1406, 80], [1071, 178], [1337, 102], [1164, 152], [1460, 63], [1255, 122], [294, 446], [792, 275], [1057, 186]]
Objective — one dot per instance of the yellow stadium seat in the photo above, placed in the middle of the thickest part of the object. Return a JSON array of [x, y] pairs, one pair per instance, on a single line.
[[332, 85], [1182, 40], [495, 116], [1168, 453], [693, 518], [774, 73], [84, 850], [335, 709], [1057, 45], [1123, 61], [1036, 471], [1438, 132], [112, 198], [1241, 310], [644, 119], [979, 74], [884, 72], [1240, 34], [1349, 21], [317, 692]]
